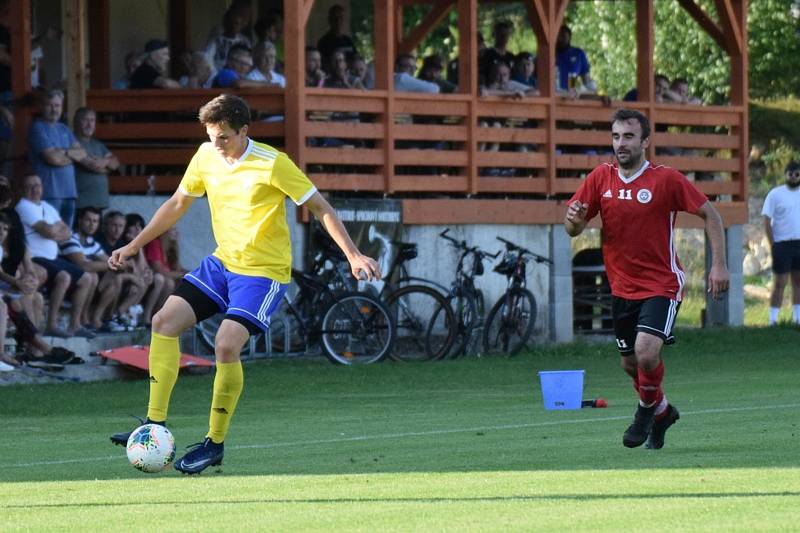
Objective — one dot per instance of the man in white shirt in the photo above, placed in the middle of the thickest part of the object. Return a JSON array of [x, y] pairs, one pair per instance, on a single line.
[[404, 80], [44, 229], [782, 226]]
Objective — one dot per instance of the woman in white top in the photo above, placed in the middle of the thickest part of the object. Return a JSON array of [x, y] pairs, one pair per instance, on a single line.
[[264, 60]]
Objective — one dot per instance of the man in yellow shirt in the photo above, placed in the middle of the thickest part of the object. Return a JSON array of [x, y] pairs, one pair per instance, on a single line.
[[247, 183]]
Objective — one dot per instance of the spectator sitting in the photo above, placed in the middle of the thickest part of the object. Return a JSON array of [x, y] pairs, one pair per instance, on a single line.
[[240, 63], [201, 73], [162, 256], [431, 71], [269, 29], [53, 150], [82, 250], [404, 80], [524, 70], [499, 52], [680, 88], [152, 73], [219, 46], [335, 39], [338, 75], [44, 229], [132, 61], [572, 67], [663, 93], [315, 76], [264, 57], [134, 285], [360, 71], [19, 274], [159, 287], [91, 173], [502, 84]]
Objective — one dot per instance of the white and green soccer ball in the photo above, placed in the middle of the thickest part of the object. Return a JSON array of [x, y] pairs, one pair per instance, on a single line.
[[151, 448]]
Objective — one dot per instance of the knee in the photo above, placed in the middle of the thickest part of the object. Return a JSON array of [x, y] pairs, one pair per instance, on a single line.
[[162, 325], [628, 365], [227, 348], [86, 280], [62, 279]]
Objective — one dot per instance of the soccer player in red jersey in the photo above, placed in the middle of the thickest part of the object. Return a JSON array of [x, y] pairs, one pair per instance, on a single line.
[[638, 202]]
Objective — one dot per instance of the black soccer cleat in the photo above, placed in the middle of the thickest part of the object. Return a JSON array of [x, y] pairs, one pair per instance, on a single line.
[[201, 456], [660, 427], [639, 430], [121, 439]]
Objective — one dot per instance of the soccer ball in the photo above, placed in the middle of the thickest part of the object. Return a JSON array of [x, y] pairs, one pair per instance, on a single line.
[[151, 448]]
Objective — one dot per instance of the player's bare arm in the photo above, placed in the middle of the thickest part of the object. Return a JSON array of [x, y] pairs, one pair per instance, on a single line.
[[167, 215], [718, 277], [359, 262], [575, 219]]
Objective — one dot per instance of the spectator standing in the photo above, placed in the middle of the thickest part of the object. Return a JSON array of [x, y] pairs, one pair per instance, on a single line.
[[499, 52], [315, 76], [219, 46], [91, 173], [782, 225], [153, 73], [53, 151], [264, 60], [44, 229], [572, 67], [336, 40]]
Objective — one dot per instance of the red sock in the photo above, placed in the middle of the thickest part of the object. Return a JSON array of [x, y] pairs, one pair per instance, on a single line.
[[650, 392]]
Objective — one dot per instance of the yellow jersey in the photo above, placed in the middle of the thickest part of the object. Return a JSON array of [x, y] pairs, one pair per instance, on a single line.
[[247, 202]]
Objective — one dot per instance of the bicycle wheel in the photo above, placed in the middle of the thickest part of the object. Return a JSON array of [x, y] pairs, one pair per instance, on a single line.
[[425, 324], [356, 329], [510, 323], [466, 313]]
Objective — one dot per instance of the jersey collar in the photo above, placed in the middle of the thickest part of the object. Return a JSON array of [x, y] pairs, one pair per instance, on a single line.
[[243, 156], [638, 172]]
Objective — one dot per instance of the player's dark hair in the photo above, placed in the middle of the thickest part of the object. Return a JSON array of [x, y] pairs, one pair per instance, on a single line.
[[792, 166], [225, 108], [621, 115]]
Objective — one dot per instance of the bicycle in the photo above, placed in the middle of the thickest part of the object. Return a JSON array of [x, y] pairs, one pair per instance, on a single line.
[[465, 298], [349, 327], [510, 322]]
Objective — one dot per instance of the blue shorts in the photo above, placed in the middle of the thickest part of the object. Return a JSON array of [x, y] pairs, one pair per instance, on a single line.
[[252, 298]]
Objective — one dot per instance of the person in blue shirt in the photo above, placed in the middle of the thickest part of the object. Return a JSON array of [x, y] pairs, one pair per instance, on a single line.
[[53, 152], [572, 67]]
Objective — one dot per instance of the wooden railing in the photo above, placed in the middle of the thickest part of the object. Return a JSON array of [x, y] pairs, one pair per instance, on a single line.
[[429, 146]]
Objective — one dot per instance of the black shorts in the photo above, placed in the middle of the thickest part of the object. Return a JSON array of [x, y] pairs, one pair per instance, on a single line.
[[54, 266], [205, 307], [786, 257], [655, 316]]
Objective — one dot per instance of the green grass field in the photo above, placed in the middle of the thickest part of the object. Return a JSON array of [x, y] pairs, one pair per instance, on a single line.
[[457, 445]]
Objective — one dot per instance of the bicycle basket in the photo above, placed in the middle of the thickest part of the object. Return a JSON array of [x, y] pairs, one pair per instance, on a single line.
[[507, 265]]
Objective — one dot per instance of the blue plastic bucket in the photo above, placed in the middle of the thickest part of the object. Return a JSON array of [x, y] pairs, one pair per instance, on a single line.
[[561, 389]]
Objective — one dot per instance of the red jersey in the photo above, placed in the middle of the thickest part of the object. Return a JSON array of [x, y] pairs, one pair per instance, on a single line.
[[638, 215]]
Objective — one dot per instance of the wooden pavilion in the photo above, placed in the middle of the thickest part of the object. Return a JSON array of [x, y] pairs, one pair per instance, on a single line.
[[449, 185]]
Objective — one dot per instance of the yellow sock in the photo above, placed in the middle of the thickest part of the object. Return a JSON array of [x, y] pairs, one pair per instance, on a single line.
[[228, 384], [165, 358]]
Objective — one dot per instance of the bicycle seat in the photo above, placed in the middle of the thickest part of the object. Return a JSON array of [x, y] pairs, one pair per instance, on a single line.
[[406, 250]]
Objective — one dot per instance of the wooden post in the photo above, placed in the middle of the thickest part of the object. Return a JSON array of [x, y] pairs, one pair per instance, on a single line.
[[739, 92], [294, 94], [75, 16], [645, 74], [99, 44], [385, 39], [468, 83], [19, 18]]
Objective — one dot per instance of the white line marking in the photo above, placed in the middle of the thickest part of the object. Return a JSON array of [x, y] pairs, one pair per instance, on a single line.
[[420, 434]]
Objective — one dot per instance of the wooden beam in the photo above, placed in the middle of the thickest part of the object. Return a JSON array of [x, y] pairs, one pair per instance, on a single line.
[[19, 18], [537, 17], [179, 31], [560, 13], [468, 82], [730, 26], [439, 10], [705, 22], [305, 11], [384, 79], [76, 57], [645, 39], [294, 94], [99, 44]]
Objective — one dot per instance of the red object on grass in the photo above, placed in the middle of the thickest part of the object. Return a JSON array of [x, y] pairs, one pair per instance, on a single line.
[[137, 357]]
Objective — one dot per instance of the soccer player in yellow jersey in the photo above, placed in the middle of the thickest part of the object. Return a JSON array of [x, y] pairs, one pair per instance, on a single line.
[[247, 183]]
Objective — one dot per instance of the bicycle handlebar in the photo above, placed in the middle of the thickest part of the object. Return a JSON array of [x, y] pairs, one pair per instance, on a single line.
[[462, 245], [510, 246]]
